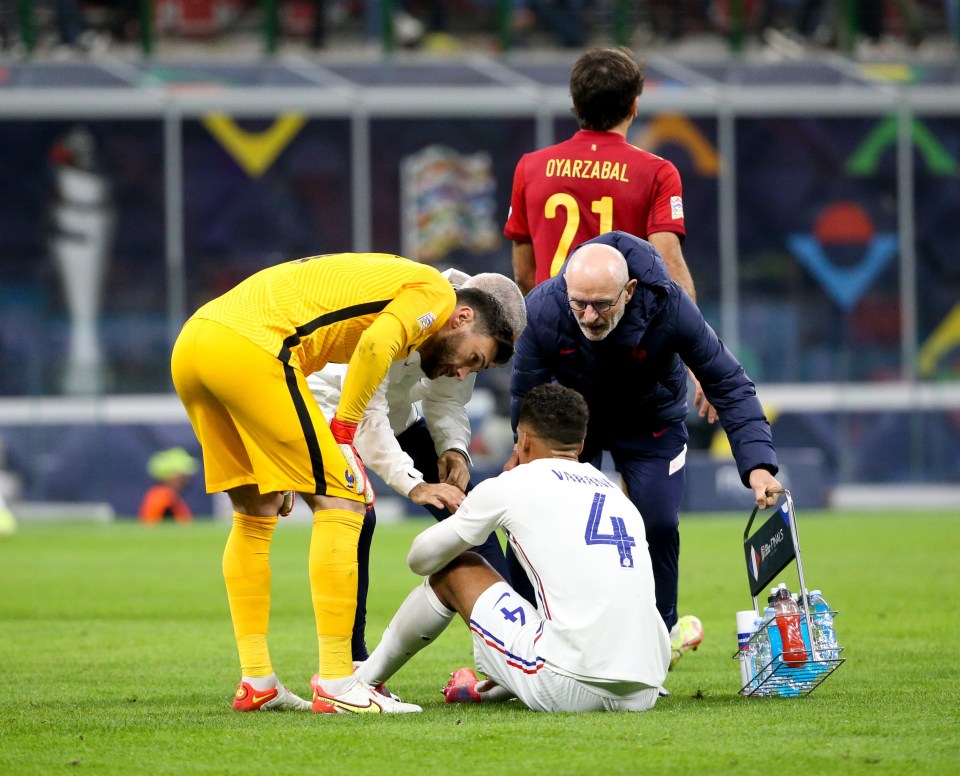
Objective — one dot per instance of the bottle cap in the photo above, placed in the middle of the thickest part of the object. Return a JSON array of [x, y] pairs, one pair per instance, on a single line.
[[815, 592]]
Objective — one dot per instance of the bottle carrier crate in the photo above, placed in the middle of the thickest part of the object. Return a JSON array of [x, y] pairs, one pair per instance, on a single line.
[[768, 551]]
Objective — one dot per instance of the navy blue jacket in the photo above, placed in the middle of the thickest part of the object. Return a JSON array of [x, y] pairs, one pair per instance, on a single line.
[[634, 380]]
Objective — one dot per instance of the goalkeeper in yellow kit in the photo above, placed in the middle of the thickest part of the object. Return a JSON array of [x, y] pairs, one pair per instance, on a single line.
[[239, 366]]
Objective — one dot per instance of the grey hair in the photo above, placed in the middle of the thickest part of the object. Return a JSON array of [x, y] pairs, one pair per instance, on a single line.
[[506, 292]]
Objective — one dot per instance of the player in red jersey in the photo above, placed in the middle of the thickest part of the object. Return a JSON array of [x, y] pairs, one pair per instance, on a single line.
[[596, 182]]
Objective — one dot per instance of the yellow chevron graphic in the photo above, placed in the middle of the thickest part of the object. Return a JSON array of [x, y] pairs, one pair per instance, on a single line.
[[673, 128], [945, 338], [254, 151]]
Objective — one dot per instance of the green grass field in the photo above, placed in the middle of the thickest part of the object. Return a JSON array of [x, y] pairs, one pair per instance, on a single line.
[[120, 658]]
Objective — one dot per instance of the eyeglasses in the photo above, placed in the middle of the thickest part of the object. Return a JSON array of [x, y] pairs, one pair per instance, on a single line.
[[600, 306]]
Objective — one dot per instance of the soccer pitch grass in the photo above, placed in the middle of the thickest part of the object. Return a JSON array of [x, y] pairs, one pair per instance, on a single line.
[[120, 659]]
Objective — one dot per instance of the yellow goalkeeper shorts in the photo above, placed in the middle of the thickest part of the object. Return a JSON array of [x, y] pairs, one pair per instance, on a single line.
[[254, 416]]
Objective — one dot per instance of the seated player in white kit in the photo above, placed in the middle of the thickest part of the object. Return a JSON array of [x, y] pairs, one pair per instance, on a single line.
[[594, 641]]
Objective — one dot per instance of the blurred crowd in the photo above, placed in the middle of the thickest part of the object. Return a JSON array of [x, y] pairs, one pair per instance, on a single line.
[[790, 26]]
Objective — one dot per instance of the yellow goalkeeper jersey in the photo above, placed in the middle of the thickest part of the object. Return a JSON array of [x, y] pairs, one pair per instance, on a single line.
[[313, 311]]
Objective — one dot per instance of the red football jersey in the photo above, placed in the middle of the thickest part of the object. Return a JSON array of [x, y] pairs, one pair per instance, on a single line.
[[593, 183]]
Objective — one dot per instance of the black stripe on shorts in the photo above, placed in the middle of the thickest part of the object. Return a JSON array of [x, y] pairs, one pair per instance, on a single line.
[[309, 432]]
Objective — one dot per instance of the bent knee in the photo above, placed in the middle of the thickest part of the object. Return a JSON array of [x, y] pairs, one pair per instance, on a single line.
[[467, 564], [464, 562], [248, 500]]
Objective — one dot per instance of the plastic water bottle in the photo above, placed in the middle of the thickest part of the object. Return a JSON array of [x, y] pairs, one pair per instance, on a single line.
[[788, 622], [773, 633], [807, 675], [776, 680], [825, 637], [761, 653]]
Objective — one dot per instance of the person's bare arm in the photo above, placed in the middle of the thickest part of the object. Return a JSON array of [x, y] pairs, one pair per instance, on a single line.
[[668, 246], [525, 266]]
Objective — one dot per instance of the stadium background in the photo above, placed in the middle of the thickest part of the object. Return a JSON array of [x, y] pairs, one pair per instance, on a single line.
[[821, 191]]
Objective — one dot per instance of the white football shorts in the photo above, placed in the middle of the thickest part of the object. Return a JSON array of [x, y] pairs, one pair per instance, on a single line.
[[506, 628]]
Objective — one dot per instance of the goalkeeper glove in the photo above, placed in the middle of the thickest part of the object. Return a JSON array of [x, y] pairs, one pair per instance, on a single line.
[[356, 474]]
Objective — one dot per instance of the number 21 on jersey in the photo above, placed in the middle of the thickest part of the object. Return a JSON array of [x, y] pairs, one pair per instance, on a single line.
[[603, 207], [618, 538]]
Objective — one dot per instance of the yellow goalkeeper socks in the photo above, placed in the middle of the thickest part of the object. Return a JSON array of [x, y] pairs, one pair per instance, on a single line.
[[246, 571], [333, 585]]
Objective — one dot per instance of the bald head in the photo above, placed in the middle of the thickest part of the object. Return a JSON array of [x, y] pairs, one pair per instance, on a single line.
[[597, 264], [598, 288]]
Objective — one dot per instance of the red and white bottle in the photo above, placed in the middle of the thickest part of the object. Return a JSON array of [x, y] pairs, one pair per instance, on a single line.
[[788, 623]]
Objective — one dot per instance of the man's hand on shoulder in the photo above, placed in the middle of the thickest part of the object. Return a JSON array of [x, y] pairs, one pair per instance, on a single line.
[[440, 495], [453, 469]]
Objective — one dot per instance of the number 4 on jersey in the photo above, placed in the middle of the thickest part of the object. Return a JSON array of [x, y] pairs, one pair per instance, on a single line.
[[619, 538]]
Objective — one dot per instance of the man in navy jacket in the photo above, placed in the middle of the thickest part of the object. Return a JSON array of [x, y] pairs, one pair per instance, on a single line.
[[613, 326]]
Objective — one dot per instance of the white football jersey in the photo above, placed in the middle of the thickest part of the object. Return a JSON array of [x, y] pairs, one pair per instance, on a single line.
[[583, 545]]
